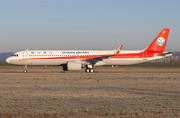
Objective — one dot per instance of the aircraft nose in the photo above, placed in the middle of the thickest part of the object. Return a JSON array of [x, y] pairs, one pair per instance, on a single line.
[[8, 60]]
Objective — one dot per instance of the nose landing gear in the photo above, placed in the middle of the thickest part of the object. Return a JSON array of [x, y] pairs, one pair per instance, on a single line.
[[25, 69]]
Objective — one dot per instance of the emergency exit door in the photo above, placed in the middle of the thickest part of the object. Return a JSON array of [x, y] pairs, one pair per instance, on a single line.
[[144, 55]]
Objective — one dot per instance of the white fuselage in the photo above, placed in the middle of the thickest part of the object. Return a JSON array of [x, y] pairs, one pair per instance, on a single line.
[[59, 57]]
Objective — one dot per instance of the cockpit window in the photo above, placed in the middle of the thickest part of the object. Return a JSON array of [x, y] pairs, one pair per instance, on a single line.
[[15, 55]]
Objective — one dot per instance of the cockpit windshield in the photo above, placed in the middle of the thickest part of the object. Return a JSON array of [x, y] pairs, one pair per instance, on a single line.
[[15, 55]]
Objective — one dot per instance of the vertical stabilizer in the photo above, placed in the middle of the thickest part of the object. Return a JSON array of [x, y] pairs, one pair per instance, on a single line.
[[159, 43]]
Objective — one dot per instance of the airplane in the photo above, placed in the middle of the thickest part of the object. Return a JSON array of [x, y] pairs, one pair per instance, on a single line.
[[78, 59]]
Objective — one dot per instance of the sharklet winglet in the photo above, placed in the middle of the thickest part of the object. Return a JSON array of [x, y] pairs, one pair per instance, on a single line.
[[119, 49]]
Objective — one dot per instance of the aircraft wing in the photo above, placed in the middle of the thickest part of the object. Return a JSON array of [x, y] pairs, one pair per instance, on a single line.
[[96, 59], [100, 58]]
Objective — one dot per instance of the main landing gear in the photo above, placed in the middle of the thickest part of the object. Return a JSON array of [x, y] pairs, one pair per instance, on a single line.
[[25, 69], [89, 70]]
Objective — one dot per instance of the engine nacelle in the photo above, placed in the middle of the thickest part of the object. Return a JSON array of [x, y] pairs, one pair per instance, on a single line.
[[73, 65]]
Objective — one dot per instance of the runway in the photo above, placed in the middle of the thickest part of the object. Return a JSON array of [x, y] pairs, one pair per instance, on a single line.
[[101, 69], [133, 94]]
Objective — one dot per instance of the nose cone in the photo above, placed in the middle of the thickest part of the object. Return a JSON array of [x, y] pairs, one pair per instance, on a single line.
[[8, 60]]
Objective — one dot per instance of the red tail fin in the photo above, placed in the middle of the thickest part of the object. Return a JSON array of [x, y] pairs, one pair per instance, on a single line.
[[159, 43]]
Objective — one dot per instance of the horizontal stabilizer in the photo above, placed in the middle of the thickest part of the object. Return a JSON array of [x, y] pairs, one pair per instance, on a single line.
[[165, 54]]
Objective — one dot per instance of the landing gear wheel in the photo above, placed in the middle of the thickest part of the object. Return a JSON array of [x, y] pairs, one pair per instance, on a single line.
[[25, 71], [87, 70], [91, 70]]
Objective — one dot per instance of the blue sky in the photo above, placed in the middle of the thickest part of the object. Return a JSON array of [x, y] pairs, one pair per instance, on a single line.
[[87, 24]]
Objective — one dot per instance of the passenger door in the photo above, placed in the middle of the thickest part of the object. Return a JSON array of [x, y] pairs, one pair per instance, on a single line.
[[25, 55]]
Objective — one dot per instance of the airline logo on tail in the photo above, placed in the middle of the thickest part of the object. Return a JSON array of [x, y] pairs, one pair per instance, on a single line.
[[161, 41]]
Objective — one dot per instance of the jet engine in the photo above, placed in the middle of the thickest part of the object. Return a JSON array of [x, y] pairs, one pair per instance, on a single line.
[[73, 65]]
